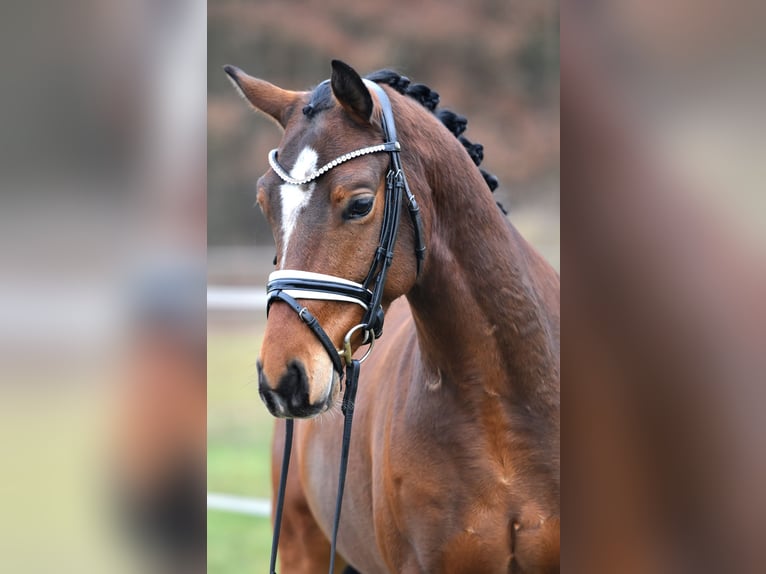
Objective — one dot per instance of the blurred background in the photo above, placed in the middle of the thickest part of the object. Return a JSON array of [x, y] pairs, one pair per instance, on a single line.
[[664, 132], [102, 286], [495, 62]]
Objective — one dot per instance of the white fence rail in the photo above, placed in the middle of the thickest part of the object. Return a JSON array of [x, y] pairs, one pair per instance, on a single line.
[[230, 299], [239, 504], [220, 298]]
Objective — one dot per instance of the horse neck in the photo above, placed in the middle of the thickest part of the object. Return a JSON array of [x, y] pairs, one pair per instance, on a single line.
[[486, 304]]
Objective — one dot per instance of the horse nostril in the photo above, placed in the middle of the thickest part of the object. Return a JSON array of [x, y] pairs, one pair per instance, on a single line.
[[267, 397], [262, 382], [293, 385], [290, 381], [291, 395]]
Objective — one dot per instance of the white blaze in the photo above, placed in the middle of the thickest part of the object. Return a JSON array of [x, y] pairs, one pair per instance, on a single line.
[[295, 197]]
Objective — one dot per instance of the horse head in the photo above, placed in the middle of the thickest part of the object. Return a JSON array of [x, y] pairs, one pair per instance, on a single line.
[[326, 208]]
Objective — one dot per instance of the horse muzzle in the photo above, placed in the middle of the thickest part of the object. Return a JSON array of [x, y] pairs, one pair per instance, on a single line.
[[292, 395]]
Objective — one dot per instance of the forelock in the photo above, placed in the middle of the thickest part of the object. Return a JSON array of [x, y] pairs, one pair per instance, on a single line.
[[321, 99]]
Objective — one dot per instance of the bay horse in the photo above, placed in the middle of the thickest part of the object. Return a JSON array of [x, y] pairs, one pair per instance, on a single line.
[[454, 464]]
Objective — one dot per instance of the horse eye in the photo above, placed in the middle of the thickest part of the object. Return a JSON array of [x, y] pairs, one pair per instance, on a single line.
[[359, 207]]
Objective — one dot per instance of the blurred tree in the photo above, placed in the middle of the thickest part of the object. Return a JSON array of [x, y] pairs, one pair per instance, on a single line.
[[494, 61]]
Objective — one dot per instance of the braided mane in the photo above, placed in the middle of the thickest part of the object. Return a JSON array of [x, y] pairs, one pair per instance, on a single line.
[[321, 99], [454, 122]]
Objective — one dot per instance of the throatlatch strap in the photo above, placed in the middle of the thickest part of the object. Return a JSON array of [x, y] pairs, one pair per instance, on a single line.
[[349, 397], [281, 494]]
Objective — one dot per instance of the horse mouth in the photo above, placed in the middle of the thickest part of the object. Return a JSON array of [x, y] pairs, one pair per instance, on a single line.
[[279, 408], [298, 405]]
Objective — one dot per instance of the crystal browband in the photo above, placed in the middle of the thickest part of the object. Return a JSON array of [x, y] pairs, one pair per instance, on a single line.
[[279, 170]]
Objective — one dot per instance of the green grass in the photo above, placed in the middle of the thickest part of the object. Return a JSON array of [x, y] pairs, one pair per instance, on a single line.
[[238, 457], [237, 543]]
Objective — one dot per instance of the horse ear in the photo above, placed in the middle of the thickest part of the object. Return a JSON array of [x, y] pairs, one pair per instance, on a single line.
[[263, 96], [350, 91]]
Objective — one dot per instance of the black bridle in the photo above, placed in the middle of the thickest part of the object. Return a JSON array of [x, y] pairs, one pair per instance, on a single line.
[[289, 286]]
